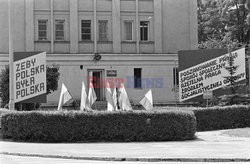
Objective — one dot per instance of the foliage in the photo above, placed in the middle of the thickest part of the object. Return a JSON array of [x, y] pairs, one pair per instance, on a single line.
[[52, 85], [218, 17], [217, 44], [4, 86], [52, 75], [243, 99], [73, 126], [228, 117]]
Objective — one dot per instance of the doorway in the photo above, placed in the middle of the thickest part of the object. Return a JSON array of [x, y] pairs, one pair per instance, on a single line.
[[99, 90]]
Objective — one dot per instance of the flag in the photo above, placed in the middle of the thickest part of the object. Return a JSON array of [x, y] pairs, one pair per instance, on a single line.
[[115, 99], [109, 98], [123, 99], [84, 99], [64, 97], [147, 101], [92, 96]]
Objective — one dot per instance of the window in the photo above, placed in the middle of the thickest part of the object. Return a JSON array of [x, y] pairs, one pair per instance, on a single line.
[[59, 26], [86, 29], [128, 30], [42, 29], [103, 30], [175, 76], [144, 30], [137, 78]]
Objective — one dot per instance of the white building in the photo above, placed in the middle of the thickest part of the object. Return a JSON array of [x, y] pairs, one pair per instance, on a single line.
[[133, 37]]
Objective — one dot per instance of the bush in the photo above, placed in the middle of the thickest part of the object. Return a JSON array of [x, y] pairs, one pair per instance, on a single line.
[[72, 126], [2, 112], [228, 117]]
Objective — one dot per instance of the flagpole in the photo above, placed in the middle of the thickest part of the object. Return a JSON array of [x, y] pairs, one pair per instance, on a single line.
[[11, 65]]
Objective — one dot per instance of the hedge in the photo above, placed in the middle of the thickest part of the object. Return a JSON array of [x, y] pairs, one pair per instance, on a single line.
[[2, 112], [73, 126], [228, 117]]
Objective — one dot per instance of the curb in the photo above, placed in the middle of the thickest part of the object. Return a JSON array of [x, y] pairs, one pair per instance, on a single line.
[[131, 159]]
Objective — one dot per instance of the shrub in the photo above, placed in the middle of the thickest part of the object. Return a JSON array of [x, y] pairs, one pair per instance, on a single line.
[[2, 112], [228, 117], [72, 126]]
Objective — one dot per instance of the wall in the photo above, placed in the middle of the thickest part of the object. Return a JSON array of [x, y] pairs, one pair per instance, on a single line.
[[173, 25], [153, 66], [179, 25]]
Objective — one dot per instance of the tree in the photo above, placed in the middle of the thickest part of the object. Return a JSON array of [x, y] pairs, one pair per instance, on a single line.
[[52, 74], [232, 78], [218, 17]]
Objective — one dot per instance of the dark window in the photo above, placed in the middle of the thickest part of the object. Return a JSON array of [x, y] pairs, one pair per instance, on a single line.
[[176, 76], [59, 25], [137, 75], [86, 29], [42, 29], [144, 30]]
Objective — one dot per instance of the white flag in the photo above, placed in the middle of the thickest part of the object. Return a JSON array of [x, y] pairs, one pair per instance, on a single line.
[[64, 97], [84, 99], [115, 99], [92, 96], [109, 98], [123, 99], [147, 101]]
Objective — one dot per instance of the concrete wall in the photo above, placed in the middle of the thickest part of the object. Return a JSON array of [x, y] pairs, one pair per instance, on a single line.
[[179, 32], [18, 25]]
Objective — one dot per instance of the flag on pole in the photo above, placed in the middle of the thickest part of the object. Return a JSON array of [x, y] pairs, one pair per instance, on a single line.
[[123, 99], [109, 98], [64, 97], [115, 98], [147, 101], [84, 98], [92, 96]]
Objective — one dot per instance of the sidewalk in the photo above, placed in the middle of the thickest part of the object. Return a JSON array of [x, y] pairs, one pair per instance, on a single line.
[[209, 146]]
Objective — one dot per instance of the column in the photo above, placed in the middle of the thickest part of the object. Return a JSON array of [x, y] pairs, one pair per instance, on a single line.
[[52, 26], [116, 26], [29, 25], [73, 24], [137, 27], [95, 28], [158, 25], [193, 27]]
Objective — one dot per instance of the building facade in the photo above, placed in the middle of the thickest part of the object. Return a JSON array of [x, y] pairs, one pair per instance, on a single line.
[[119, 39]]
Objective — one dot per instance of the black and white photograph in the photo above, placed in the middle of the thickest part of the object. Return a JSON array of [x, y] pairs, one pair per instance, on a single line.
[[124, 81]]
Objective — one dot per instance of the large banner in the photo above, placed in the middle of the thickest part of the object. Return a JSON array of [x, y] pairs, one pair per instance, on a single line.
[[209, 75], [30, 76]]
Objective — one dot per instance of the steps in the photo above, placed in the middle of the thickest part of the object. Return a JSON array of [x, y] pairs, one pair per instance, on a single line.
[[100, 105]]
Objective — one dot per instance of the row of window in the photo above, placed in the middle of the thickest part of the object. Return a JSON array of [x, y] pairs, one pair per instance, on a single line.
[[86, 30]]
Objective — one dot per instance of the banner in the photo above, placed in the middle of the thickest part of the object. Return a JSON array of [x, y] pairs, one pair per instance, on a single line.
[[30, 77], [209, 75]]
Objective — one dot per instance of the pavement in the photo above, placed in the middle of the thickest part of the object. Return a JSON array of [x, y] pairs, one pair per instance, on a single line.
[[212, 146]]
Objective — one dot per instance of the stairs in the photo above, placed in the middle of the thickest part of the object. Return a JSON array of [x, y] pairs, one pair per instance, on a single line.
[[100, 105]]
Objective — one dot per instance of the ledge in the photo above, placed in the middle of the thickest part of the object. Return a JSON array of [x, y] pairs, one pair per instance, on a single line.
[[61, 41], [86, 41], [104, 42], [127, 42], [146, 42], [42, 41]]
